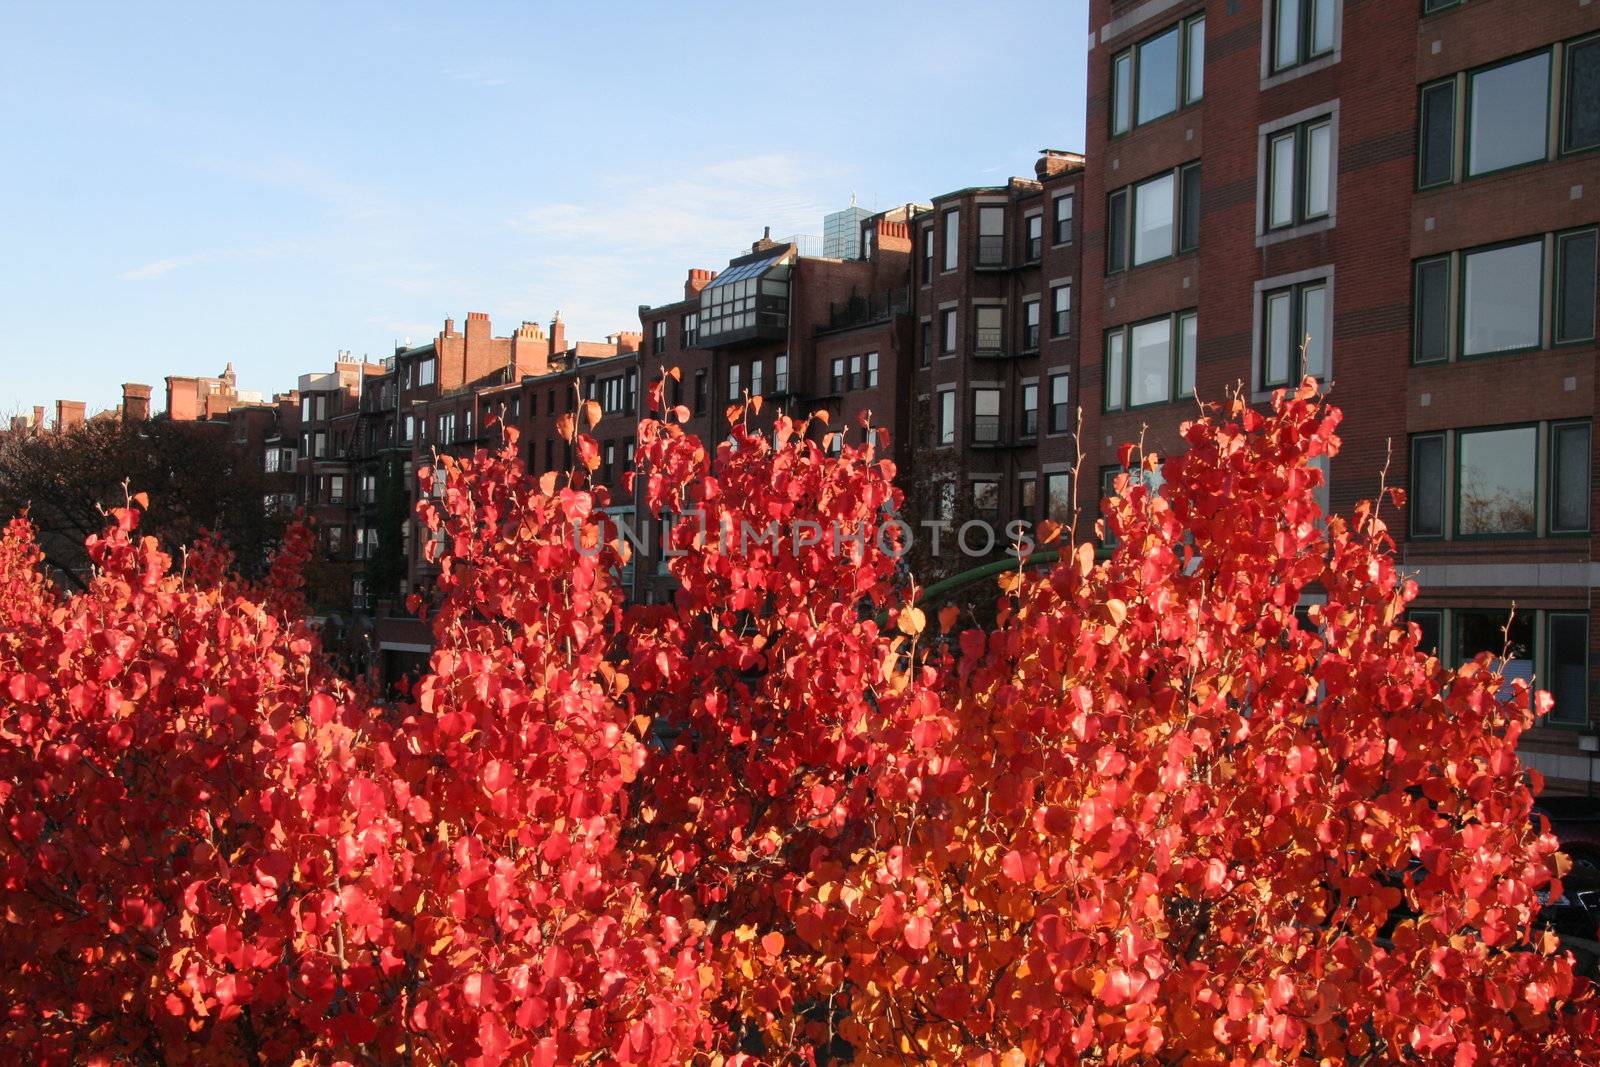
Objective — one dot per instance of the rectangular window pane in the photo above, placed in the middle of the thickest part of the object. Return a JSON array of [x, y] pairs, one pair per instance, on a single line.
[[1507, 637], [1279, 338], [1314, 329], [1152, 220], [1195, 71], [1188, 338], [947, 417], [1122, 93], [1280, 180], [1569, 478], [1286, 34], [1496, 481], [1509, 114], [1115, 360], [991, 235], [988, 320], [1501, 298], [1319, 153], [1569, 667], [1030, 410], [1058, 491], [1427, 486], [1432, 324], [1431, 625], [1063, 219], [1580, 122], [952, 239], [1437, 148], [1575, 264], [1150, 368], [1158, 76], [1190, 236], [1117, 233], [1321, 27]]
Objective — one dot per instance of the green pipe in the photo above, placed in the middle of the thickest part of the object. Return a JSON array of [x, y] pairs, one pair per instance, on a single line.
[[988, 570]]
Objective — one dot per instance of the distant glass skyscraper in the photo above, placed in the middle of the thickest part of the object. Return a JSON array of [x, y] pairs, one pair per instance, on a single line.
[[841, 232]]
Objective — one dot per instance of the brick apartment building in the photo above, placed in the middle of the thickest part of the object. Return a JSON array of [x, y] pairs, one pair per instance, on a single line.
[[1402, 198], [996, 348]]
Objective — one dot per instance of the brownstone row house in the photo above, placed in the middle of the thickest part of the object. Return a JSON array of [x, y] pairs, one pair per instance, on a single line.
[[1400, 198]]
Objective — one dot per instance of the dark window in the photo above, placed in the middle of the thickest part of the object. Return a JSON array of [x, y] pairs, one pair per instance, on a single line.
[[1189, 232], [1431, 624], [871, 374], [1030, 410], [1569, 477], [1030, 325], [1027, 496], [986, 499], [1058, 497], [1060, 407], [1580, 101], [1427, 486], [927, 254], [1567, 666], [1430, 6], [991, 236], [925, 350], [947, 324], [659, 338], [699, 392], [1506, 636], [990, 330], [1575, 286], [1437, 150], [1117, 232], [1432, 320], [1035, 240]]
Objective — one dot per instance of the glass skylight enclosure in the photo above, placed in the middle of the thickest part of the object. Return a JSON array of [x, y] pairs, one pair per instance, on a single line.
[[747, 302]]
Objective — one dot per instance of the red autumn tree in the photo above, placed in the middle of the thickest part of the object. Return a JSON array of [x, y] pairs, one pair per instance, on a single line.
[[1154, 816]]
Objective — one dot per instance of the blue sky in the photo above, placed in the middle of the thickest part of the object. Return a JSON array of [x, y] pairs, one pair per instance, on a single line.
[[187, 185]]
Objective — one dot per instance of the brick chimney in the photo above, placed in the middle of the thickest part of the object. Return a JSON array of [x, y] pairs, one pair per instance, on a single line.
[[629, 341], [893, 236], [69, 415], [558, 337], [530, 350], [766, 241], [38, 416], [135, 402], [183, 399], [698, 280], [1053, 161]]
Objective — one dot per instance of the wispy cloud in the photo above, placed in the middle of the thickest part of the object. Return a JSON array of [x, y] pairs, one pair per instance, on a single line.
[[160, 268]]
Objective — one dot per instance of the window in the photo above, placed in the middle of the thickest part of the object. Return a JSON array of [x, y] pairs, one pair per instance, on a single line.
[[335, 538], [1061, 311], [870, 380], [658, 342], [336, 489], [1508, 114], [1496, 475], [1580, 97], [952, 239], [985, 416], [1294, 334], [780, 373], [1030, 410], [1145, 366], [947, 417], [700, 392], [1569, 478], [631, 391], [1058, 497], [947, 322], [1436, 154], [1299, 173], [1430, 6], [986, 499], [1497, 299], [1027, 495], [1497, 472], [927, 255], [1430, 621], [1164, 219], [1063, 219], [1034, 247], [1030, 325], [1302, 30], [991, 236], [1060, 409], [1507, 636], [735, 387], [990, 327], [925, 345], [1567, 666], [853, 377], [690, 329], [758, 374], [1428, 485], [425, 372], [1575, 287], [1148, 79]]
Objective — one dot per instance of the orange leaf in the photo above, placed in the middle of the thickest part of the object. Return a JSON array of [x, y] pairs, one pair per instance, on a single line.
[[592, 413]]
